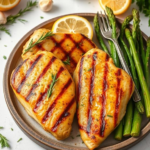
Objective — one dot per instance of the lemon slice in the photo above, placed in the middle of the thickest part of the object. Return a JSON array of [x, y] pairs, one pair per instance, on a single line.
[[118, 6], [8, 4], [73, 24]]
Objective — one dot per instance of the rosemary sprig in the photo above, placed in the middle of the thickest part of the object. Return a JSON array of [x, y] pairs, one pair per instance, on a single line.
[[54, 80], [67, 62], [12, 19], [3, 141], [2, 28], [42, 37]]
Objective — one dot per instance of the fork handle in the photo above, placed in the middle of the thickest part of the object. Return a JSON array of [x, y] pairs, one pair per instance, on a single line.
[[136, 95]]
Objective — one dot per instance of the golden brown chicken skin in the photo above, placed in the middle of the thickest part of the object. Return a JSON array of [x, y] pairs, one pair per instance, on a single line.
[[31, 81], [63, 46], [102, 93]]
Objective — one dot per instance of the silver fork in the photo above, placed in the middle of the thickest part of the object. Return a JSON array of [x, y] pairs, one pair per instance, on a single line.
[[107, 33]]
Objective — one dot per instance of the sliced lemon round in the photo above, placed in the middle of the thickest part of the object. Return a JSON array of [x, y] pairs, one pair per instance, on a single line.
[[73, 24], [118, 6], [8, 4]]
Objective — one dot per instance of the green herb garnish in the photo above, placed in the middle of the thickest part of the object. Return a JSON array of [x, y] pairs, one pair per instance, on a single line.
[[54, 80], [42, 37], [4, 57], [19, 140], [13, 18], [109, 116], [12, 129], [41, 17], [3, 141], [22, 21], [1, 127], [67, 62], [4, 30], [5, 45], [90, 69]]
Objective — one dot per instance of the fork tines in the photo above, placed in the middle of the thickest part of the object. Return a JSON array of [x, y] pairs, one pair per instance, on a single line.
[[103, 21]]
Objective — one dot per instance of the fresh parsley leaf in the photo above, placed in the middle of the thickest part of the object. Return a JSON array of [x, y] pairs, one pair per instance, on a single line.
[[54, 80], [12, 129], [67, 62], [5, 45], [41, 17], [3, 141], [1, 127], [19, 140]]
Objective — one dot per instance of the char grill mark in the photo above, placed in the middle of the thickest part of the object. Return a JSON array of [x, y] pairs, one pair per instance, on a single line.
[[63, 116], [76, 44], [118, 97], [80, 75], [50, 109], [89, 41], [44, 94], [28, 72], [16, 71], [40, 77], [66, 54], [103, 100], [91, 89]]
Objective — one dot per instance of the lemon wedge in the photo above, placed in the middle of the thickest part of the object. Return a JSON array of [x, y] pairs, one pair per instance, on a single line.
[[8, 4], [118, 6], [73, 24]]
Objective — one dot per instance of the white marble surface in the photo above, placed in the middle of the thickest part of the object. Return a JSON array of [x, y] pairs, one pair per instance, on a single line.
[[17, 30]]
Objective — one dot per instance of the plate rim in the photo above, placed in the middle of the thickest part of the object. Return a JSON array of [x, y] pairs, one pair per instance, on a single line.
[[28, 130]]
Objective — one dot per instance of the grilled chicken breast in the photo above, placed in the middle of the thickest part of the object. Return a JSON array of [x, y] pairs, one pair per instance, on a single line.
[[31, 81], [102, 93], [63, 46]]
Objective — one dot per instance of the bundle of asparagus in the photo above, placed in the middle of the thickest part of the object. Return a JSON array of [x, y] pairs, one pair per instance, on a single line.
[[137, 59]]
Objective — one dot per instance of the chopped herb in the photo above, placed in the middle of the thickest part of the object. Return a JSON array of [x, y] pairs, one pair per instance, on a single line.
[[78, 135], [90, 69], [1, 127], [67, 62], [4, 57], [41, 17], [42, 37], [72, 137], [5, 45], [3, 141], [54, 80], [109, 116], [82, 104], [97, 119], [19, 140], [12, 129]]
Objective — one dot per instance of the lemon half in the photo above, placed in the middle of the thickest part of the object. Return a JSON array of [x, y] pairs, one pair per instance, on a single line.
[[73, 24]]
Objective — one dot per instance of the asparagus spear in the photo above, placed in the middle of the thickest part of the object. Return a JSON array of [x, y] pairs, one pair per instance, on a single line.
[[139, 104], [118, 132], [140, 72], [147, 75], [112, 21], [128, 119], [135, 28], [98, 34], [136, 124]]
